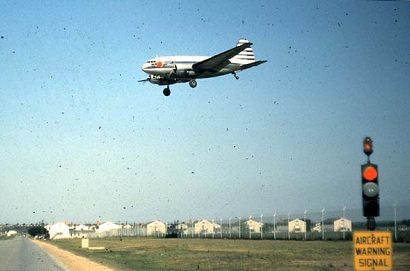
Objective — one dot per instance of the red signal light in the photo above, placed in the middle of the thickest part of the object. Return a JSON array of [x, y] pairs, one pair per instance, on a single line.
[[370, 173]]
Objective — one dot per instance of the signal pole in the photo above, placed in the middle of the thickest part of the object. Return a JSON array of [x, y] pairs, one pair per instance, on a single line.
[[395, 221]]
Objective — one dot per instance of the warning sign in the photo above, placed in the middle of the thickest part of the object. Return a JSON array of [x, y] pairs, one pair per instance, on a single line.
[[372, 250]]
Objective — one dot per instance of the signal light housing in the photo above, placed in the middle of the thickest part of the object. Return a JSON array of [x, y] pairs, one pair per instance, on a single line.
[[367, 145], [370, 190]]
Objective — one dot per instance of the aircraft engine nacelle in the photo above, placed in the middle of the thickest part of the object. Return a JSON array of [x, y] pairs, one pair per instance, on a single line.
[[161, 81], [183, 71]]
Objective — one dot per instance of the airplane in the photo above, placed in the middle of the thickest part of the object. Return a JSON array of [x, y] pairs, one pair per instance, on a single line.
[[168, 70]]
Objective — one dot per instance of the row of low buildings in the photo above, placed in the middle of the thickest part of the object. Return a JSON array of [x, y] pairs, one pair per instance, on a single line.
[[295, 225], [201, 227], [339, 225], [61, 230], [9, 233]]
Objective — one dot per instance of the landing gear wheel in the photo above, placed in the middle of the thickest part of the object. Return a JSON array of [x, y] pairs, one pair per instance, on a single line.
[[166, 91], [192, 83]]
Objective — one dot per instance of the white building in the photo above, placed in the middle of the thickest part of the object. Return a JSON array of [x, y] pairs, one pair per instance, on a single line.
[[205, 227], [58, 230], [183, 228], [317, 227], [253, 225], [81, 227], [342, 224], [297, 225], [156, 228], [108, 226], [127, 226], [11, 233], [81, 231]]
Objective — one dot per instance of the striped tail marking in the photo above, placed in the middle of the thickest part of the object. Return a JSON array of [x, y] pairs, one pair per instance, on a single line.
[[246, 56]]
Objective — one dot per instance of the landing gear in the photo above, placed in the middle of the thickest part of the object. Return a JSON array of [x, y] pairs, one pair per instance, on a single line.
[[166, 91], [192, 83], [236, 76]]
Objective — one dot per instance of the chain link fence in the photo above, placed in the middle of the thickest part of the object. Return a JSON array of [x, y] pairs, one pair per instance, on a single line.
[[307, 225]]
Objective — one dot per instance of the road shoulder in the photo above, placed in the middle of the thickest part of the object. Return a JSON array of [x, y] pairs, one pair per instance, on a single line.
[[69, 260]]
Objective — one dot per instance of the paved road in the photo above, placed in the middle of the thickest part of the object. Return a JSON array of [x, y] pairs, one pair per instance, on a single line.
[[20, 254]]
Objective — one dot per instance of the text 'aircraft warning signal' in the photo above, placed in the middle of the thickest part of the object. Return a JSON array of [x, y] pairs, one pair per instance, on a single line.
[[372, 250]]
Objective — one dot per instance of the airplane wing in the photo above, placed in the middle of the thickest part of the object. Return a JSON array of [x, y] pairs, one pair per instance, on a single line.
[[218, 61]]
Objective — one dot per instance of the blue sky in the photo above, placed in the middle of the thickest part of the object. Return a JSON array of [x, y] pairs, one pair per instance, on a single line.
[[82, 140]]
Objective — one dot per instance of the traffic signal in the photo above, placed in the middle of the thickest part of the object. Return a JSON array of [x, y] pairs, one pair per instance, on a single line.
[[367, 145], [370, 190]]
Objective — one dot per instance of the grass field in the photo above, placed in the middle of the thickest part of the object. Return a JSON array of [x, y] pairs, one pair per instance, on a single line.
[[208, 254]]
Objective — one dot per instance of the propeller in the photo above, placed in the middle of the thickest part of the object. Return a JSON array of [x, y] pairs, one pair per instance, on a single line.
[[145, 80]]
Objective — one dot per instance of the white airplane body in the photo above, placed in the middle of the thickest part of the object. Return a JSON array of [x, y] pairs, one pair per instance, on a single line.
[[170, 70]]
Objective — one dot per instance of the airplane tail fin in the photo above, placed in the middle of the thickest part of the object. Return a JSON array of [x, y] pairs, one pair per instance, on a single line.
[[246, 56]]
